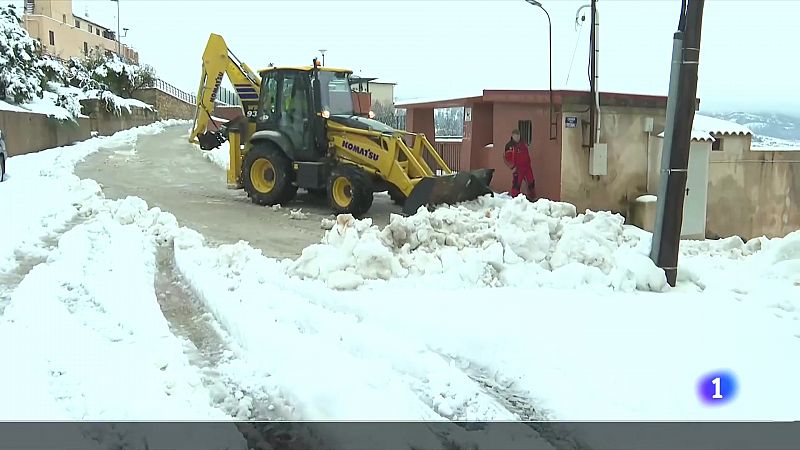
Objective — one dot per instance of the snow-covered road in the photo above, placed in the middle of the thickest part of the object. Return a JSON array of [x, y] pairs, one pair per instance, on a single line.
[[496, 310]]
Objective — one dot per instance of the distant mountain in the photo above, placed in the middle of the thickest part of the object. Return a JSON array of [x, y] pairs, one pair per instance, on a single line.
[[769, 129]]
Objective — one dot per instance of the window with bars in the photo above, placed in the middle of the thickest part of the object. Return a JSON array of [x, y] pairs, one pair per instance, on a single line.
[[525, 128]]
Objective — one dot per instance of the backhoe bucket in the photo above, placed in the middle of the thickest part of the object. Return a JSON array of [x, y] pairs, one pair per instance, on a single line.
[[450, 189], [210, 140]]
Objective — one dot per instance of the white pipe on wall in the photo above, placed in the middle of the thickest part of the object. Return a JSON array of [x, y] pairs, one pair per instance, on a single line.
[[596, 75]]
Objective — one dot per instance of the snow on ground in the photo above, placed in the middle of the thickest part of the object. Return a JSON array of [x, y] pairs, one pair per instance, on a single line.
[[88, 332], [82, 335], [51, 192], [583, 353], [4, 106], [497, 309]]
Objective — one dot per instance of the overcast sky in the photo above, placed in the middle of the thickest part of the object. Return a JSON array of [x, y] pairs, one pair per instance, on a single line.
[[749, 55]]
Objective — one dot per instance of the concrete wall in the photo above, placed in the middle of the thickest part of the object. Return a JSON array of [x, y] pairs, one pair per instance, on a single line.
[[622, 129], [752, 193], [107, 121], [545, 154], [168, 107], [30, 132]]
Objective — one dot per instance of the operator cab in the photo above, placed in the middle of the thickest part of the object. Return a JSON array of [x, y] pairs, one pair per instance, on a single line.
[[295, 102]]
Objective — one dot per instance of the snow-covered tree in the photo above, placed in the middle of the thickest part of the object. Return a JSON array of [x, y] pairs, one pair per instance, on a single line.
[[386, 114], [449, 121], [21, 77]]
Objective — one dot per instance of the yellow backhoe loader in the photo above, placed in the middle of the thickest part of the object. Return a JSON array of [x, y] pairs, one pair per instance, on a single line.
[[299, 130]]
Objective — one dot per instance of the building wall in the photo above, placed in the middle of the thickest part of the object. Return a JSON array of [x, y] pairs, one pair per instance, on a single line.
[[545, 154], [56, 16], [383, 93], [478, 133], [623, 130], [752, 193]]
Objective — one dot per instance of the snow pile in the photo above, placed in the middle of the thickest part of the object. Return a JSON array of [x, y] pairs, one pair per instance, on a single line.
[[220, 156], [493, 241], [298, 214]]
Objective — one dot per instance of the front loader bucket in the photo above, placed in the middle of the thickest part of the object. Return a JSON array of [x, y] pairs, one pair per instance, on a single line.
[[450, 189], [210, 140]]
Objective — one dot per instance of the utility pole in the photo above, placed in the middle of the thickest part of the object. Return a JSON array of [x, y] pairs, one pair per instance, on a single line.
[[119, 37], [681, 105]]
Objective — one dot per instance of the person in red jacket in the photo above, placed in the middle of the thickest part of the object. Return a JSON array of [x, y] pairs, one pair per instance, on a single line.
[[518, 160]]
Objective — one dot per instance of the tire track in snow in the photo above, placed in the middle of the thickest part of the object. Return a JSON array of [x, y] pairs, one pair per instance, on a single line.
[[445, 390], [207, 344], [488, 382], [516, 400], [26, 261]]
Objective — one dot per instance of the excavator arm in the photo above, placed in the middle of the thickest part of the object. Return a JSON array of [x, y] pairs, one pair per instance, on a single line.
[[218, 60]]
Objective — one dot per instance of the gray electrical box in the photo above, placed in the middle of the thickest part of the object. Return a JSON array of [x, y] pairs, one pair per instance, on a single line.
[[648, 124], [598, 159]]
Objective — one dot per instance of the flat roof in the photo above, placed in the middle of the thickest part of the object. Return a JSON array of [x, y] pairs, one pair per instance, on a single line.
[[91, 22], [540, 96]]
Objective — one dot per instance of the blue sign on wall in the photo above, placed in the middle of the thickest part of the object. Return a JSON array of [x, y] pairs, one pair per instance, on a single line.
[[571, 121]]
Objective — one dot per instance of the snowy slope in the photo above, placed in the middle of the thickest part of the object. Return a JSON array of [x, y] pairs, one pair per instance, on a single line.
[[771, 130]]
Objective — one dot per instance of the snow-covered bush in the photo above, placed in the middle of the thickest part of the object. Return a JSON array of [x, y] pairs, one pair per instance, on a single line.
[[78, 75], [53, 69], [21, 77], [121, 78]]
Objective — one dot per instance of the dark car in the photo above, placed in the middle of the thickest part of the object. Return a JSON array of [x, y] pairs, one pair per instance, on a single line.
[[3, 157]]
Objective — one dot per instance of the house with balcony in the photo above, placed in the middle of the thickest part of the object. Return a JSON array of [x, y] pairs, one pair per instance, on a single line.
[[65, 35]]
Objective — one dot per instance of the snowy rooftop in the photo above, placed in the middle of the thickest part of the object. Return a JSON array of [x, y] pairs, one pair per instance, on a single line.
[[704, 127], [713, 125]]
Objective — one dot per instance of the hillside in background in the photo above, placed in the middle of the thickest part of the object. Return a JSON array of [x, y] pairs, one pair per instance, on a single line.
[[771, 130]]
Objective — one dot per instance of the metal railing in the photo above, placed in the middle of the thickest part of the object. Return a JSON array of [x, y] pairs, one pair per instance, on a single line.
[[224, 96], [167, 88], [450, 151]]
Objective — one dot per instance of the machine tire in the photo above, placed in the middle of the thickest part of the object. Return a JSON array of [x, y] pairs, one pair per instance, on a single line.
[[350, 191], [267, 176], [397, 197]]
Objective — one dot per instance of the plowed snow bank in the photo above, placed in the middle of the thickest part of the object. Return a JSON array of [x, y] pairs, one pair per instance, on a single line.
[[500, 241]]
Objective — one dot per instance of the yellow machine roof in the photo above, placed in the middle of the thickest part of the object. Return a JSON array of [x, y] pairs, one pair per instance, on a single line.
[[306, 69]]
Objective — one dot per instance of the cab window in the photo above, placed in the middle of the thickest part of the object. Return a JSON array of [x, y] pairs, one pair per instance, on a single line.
[[269, 93]]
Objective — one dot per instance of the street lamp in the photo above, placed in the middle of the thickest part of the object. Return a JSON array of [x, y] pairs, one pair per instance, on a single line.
[[553, 124], [322, 51]]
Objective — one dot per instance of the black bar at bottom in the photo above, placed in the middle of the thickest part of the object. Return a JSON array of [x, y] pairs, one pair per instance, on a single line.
[[400, 436]]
